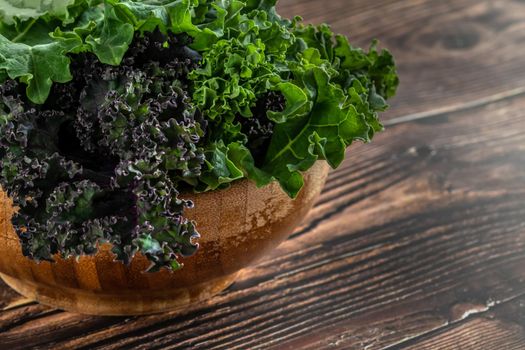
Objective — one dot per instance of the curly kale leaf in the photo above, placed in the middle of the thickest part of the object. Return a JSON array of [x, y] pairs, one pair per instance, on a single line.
[[333, 94], [37, 38], [11, 10], [345, 89], [233, 74], [323, 133], [107, 169]]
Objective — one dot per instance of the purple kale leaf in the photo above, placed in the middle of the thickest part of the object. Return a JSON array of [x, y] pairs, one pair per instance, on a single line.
[[104, 158]]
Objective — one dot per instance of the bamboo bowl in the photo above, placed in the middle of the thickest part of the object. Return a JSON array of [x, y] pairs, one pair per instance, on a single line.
[[237, 225]]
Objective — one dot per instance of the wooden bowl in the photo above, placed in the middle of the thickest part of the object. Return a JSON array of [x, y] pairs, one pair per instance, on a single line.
[[237, 225]]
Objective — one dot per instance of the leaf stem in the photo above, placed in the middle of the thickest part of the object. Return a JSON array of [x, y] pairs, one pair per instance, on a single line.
[[25, 31]]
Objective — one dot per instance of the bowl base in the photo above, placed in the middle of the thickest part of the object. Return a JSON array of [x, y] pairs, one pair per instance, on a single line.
[[120, 303]]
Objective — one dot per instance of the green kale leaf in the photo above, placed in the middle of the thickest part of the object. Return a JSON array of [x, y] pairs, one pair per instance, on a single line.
[[12, 10], [36, 38], [333, 94]]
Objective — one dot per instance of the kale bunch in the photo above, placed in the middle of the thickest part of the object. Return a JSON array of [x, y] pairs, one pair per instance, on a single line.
[[102, 160], [109, 109]]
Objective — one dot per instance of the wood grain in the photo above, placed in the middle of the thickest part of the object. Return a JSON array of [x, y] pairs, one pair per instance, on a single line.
[[501, 328], [449, 52], [418, 240]]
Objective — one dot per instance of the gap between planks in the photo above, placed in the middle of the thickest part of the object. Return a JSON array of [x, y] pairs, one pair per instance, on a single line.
[[457, 107], [450, 325]]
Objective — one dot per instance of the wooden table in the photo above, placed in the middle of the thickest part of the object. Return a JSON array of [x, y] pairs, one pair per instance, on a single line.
[[418, 241]]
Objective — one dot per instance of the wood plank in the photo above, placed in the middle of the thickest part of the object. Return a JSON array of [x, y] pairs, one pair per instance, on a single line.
[[502, 328], [414, 232], [449, 52]]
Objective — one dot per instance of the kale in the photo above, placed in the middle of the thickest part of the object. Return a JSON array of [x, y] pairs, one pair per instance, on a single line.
[[102, 159], [109, 109]]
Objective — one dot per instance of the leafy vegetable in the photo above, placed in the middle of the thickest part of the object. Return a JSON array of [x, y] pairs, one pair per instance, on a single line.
[[333, 93], [107, 168], [11, 9], [39, 58], [110, 108]]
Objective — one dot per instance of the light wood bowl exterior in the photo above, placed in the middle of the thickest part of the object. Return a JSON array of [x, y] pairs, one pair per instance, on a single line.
[[237, 225]]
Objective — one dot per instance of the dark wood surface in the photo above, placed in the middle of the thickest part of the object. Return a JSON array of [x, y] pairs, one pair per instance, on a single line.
[[418, 241]]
